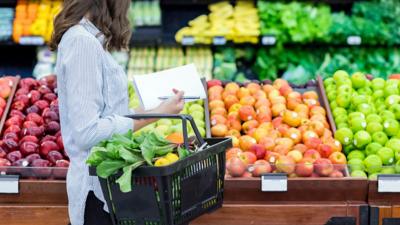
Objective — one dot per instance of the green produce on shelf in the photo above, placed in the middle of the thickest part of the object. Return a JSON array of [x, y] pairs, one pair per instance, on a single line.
[[294, 22], [145, 13], [367, 114]]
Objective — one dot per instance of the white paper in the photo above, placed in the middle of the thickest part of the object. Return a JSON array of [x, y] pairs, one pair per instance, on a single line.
[[273, 183], [152, 86]]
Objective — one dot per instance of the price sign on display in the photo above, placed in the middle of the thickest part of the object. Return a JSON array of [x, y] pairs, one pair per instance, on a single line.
[[388, 183], [268, 40], [354, 40], [219, 40], [188, 40], [9, 184], [31, 40], [274, 182]]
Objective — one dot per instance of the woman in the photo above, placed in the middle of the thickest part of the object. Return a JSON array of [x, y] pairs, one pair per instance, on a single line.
[[93, 94]]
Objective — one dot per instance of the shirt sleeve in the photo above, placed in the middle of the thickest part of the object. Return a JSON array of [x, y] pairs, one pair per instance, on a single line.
[[84, 83]]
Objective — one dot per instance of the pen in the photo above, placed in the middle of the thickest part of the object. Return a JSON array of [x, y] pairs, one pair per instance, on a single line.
[[185, 97]]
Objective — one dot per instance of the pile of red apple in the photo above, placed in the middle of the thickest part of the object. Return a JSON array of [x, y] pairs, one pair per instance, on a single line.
[[274, 129], [31, 135]]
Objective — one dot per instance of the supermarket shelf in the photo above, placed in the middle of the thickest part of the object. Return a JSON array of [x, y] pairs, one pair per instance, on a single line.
[[206, 2]]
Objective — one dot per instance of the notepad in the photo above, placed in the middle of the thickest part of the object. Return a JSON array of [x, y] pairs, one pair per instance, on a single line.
[[151, 87]]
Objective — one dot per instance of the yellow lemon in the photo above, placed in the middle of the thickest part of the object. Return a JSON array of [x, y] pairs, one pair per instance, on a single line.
[[161, 162], [171, 157]]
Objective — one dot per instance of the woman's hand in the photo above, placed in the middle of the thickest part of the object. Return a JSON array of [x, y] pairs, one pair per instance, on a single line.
[[173, 105]]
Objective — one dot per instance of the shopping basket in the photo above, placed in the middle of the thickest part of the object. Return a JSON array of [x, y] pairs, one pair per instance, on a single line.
[[174, 194]]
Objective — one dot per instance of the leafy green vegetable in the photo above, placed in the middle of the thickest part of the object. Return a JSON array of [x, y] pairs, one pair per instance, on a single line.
[[125, 181], [109, 167]]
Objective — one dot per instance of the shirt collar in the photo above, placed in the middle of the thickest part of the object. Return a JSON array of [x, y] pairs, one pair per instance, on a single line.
[[92, 29]]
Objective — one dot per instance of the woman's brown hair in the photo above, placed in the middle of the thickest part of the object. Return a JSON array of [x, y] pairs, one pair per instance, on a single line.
[[109, 16]]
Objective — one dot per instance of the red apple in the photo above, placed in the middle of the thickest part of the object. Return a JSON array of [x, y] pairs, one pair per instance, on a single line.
[[248, 157], [305, 168], [339, 160], [323, 167], [312, 154], [285, 164], [325, 150], [236, 167], [258, 150], [261, 167], [337, 174]]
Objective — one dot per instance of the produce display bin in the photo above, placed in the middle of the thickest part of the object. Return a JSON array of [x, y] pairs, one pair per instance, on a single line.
[[174, 194], [385, 207]]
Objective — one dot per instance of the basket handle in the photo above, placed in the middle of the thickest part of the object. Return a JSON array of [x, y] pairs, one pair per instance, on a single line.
[[184, 119]]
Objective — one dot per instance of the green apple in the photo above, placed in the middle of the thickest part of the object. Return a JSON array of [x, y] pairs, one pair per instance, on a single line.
[[379, 107], [341, 125], [386, 155], [391, 100], [395, 109], [343, 100], [358, 173], [344, 136], [378, 94], [348, 148], [333, 105], [162, 130], [378, 84], [372, 148], [202, 131], [329, 81], [356, 164], [356, 115], [391, 127], [358, 99], [345, 89], [196, 107], [166, 122], [332, 96], [340, 75], [373, 118], [365, 108], [388, 170], [200, 123], [397, 167], [373, 176], [373, 164], [386, 114], [365, 91], [330, 89], [357, 124], [373, 127], [397, 155], [362, 139], [394, 144], [392, 82], [380, 137], [358, 80], [341, 119], [339, 111], [356, 154], [177, 128], [391, 90], [198, 115]]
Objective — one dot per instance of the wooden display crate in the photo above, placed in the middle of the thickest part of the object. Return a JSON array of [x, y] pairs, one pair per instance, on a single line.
[[39, 202], [315, 201], [385, 207]]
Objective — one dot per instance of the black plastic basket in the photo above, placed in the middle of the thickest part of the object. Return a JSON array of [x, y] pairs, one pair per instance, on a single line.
[[174, 194]]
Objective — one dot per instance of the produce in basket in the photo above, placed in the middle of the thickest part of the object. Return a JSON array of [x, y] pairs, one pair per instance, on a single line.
[[131, 150], [366, 113], [31, 134], [274, 129]]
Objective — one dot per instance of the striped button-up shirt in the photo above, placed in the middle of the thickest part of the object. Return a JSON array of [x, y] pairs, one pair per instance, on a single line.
[[93, 98]]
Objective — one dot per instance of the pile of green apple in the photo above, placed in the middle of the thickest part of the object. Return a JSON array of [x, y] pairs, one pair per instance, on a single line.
[[168, 126], [367, 114]]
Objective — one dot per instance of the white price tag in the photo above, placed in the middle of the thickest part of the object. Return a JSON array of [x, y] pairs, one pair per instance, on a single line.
[[354, 40], [219, 40], [268, 40], [31, 40], [9, 184], [274, 182], [388, 183], [188, 40]]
